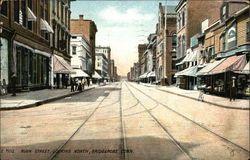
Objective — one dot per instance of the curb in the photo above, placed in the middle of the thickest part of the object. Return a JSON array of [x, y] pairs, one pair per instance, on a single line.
[[216, 104], [38, 103]]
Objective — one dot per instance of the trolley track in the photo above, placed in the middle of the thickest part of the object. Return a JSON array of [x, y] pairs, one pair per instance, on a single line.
[[122, 147], [57, 151], [181, 148], [190, 120]]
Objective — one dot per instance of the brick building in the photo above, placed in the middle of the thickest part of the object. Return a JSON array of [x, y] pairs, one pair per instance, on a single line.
[[25, 46], [190, 16], [166, 33], [88, 29], [225, 48]]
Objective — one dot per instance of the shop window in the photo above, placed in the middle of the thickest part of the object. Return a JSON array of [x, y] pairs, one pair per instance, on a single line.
[[248, 31], [16, 10], [4, 8], [34, 69], [31, 76]]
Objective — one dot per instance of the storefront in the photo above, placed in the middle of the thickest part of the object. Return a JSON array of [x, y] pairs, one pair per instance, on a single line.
[[217, 76], [186, 79], [62, 71], [31, 67]]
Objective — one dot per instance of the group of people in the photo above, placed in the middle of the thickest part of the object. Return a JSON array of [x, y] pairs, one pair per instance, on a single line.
[[78, 84]]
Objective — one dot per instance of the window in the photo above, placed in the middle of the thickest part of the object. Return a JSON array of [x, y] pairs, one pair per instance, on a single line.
[[4, 8], [224, 13], [183, 18], [231, 36], [174, 39], [23, 19], [223, 42], [248, 31], [74, 50], [16, 11], [30, 23]]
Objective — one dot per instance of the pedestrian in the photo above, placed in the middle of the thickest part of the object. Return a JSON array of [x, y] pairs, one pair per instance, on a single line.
[[13, 83], [75, 84], [88, 82], [72, 84], [4, 86], [232, 87], [79, 85], [83, 83]]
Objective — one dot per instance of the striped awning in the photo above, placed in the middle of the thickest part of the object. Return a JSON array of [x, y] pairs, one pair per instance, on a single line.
[[61, 66], [232, 63]]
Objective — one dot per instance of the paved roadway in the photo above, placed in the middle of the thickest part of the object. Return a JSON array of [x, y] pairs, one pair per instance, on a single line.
[[125, 121]]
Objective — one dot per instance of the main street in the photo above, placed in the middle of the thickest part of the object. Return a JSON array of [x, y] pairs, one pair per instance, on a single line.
[[125, 120]]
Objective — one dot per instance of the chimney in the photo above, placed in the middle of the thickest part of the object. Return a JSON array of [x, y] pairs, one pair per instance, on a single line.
[[81, 17]]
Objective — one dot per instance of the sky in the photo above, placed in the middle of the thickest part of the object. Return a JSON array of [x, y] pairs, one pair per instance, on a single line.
[[122, 25]]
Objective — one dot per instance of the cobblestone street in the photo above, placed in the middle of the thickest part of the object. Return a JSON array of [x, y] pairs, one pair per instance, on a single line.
[[125, 120]]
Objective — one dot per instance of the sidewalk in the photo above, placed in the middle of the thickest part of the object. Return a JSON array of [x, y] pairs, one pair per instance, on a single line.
[[242, 104], [35, 98]]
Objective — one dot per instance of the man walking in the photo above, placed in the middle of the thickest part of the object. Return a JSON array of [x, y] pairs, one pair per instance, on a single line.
[[233, 89], [72, 84]]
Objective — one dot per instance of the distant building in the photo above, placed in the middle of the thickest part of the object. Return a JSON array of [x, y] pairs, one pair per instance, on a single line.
[[80, 53], [106, 51], [88, 29], [102, 63], [112, 68]]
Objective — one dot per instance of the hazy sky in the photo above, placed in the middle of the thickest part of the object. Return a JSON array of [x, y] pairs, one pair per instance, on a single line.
[[122, 25]]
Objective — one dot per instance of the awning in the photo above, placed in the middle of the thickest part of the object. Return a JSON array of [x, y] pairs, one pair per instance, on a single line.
[[79, 73], [31, 15], [96, 76], [234, 63], [191, 72], [61, 66], [246, 69], [45, 26], [143, 75], [188, 58], [209, 67], [151, 74]]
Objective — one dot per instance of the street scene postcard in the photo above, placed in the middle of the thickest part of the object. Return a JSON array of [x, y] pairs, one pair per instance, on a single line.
[[124, 79]]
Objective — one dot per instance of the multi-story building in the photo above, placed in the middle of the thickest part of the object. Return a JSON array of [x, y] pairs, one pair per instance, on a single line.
[[80, 53], [60, 41], [107, 52], [112, 66], [25, 47], [226, 45], [88, 29], [190, 15], [102, 64], [141, 50], [166, 32]]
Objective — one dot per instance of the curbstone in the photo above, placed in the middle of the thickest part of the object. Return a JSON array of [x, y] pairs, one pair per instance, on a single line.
[[205, 101], [40, 102]]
